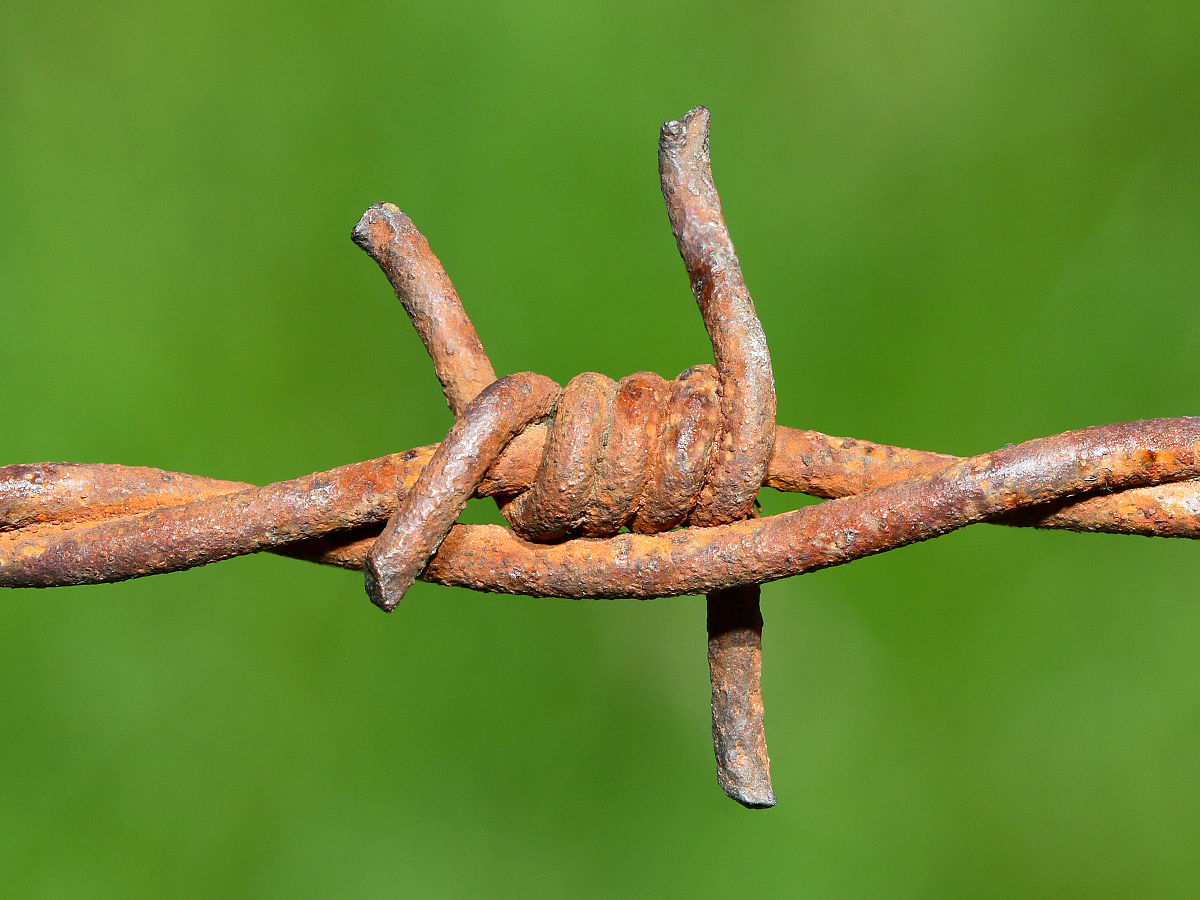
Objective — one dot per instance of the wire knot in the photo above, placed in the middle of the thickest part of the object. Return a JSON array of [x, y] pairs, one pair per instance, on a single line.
[[645, 453], [634, 453]]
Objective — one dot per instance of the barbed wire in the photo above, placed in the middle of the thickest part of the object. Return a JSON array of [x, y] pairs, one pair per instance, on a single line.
[[572, 467]]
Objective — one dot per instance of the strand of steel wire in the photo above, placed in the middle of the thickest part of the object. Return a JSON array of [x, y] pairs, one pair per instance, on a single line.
[[93, 523]]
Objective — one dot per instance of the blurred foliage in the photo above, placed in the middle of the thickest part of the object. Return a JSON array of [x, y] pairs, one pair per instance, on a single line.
[[964, 225]]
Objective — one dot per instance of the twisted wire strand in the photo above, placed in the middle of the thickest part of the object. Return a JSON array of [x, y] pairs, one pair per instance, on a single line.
[[96, 523], [120, 522]]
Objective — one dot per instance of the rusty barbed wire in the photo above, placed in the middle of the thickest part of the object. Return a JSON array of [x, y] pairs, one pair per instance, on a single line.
[[643, 454]]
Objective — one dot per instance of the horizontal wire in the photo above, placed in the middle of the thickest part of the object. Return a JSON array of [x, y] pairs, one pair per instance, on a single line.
[[50, 535]]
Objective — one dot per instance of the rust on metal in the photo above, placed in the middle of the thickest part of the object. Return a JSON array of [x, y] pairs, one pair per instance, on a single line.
[[735, 670], [739, 344], [449, 480], [632, 439], [739, 457], [642, 454], [708, 456], [76, 495], [680, 457], [695, 560], [1157, 495], [555, 502], [424, 289]]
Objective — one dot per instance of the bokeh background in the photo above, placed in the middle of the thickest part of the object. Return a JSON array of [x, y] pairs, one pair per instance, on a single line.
[[964, 225]]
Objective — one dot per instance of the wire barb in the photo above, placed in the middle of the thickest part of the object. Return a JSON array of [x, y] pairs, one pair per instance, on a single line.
[[739, 458]]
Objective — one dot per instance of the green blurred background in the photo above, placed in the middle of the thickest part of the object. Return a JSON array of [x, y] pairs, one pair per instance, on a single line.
[[964, 224]]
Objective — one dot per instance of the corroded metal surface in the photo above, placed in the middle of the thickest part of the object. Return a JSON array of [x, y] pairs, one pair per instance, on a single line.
[[38, 494], [739, 456], [739, 345], [449, 480], [1108, 457], [422, 286], [708, 449], [803, 461], [555, 502], [678, 461], [643, 454], [622, 472], [205, 530], [735, 670]]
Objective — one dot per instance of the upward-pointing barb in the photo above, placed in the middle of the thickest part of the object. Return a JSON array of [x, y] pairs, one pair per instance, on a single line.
[[740, 454], [429, 298]]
